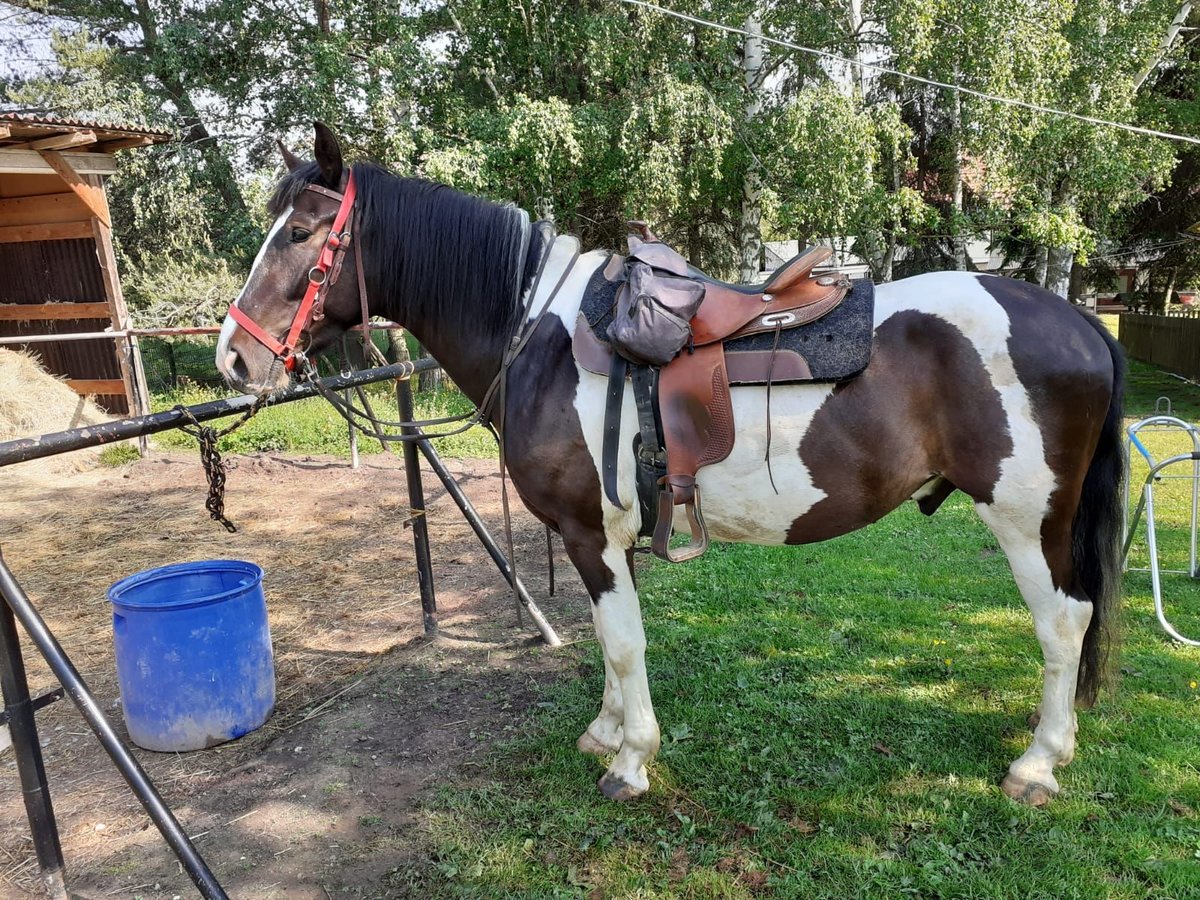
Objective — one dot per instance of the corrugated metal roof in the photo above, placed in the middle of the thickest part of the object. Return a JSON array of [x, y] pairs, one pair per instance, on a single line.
[[21, 129]]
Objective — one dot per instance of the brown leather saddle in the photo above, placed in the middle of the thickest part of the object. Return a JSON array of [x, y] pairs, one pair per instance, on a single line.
[[685, 412]]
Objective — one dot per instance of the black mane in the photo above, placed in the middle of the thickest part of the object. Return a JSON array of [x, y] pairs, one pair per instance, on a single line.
[[431, 252]]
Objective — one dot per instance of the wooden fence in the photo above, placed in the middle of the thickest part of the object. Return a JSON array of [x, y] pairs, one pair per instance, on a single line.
[[1170, 342]]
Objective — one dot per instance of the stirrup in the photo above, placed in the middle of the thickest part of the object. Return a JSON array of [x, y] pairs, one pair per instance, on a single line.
[[661, 542]]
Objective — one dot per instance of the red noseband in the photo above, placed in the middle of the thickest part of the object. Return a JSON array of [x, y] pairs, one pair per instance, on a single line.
[[321, 277]]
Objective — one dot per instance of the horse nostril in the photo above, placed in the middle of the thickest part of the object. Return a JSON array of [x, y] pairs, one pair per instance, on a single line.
[[236, 366]]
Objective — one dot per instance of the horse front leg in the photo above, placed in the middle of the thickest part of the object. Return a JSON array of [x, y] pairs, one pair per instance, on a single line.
[[605, 733], [626, 722]]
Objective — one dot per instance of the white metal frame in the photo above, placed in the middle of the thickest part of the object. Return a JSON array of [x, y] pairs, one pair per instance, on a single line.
[[1168, 423]]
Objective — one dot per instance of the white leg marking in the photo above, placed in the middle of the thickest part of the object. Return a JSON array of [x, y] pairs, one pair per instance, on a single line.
[[618, 619], [1059, 622], [605, 733]]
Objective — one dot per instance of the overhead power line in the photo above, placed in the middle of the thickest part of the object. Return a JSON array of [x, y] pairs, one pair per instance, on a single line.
[[995, 98]]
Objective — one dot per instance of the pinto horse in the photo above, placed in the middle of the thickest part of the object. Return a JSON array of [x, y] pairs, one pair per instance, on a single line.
[[981, 384]]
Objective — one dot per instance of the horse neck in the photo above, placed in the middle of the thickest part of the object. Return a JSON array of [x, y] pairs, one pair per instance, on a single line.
[[467, 352], [452, 280]]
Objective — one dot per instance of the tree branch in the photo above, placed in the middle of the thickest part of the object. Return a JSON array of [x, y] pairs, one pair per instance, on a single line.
[[1164, 48]]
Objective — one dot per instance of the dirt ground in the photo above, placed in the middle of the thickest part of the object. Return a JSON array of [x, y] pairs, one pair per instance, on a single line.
[[324, 800]]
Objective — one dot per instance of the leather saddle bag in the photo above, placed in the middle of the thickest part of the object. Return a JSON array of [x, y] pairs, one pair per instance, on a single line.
[[654, 311]]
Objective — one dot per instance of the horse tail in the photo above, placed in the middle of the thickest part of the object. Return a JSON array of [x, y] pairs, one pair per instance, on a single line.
[[1096, 535]]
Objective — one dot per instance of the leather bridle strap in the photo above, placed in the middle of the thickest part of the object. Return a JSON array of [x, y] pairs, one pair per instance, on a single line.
[[320, 279]]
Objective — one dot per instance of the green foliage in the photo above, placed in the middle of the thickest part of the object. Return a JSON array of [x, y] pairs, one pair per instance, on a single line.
[[673, 144], [598, 112]]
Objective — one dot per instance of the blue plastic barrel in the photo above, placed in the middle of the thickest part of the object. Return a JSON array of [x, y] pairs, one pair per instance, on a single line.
[[193, 653]]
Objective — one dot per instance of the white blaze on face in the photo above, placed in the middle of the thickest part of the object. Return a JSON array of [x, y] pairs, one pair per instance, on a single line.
[[224, 354]]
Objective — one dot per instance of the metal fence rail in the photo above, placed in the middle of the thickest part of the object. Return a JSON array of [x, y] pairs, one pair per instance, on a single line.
[[19, 706], [57, 442]]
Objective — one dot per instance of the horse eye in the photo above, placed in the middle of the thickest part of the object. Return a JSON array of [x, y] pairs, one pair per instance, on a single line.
[[300, 235]]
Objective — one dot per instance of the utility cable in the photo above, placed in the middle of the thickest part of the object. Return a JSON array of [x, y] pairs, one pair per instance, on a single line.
[[995, 98]]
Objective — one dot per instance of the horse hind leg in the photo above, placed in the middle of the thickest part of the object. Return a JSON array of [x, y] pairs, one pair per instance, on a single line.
[[1060, 622]]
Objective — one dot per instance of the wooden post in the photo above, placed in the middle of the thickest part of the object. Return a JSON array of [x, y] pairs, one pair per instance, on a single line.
[[130, 360]]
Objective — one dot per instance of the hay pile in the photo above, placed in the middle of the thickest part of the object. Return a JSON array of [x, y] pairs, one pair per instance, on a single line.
[[34, 402]]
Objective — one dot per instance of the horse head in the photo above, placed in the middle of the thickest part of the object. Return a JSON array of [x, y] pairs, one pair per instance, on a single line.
[[302, 292]]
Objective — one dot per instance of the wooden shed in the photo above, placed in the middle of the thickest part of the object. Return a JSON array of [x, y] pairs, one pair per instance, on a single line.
[[58, 273]]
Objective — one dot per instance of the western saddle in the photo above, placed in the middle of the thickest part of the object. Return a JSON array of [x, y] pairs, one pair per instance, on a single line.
[[681, 383]]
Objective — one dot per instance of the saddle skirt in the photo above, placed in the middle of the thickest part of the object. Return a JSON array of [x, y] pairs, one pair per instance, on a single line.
[[819, 345]]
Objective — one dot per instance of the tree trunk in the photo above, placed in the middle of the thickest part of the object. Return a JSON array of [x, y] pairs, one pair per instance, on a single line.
[[889, 259], [397, 350], [859, 75], [430, 380], [1075, 293], [1170, 289], [693, 243], [958, 239], [750, 230], [220, 171], [1185, 9], [1058, 270], [1041, 266]]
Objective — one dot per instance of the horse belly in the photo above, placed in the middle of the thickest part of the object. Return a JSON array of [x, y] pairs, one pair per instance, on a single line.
[[745, 501]]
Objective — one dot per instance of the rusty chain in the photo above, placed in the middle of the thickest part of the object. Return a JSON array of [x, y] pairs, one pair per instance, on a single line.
[[210, 457]]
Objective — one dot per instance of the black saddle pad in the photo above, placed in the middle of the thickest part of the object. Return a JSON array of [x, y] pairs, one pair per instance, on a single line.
[[836, 347]]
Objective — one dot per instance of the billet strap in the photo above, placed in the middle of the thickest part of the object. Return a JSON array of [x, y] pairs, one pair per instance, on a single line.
[[611, 449]]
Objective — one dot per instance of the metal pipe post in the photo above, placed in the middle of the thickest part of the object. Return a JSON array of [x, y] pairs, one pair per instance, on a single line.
[[485, 538], [19, 708], [134, 775], [416, 502], [346, 370]]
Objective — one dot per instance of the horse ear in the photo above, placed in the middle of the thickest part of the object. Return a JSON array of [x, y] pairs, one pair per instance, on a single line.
[[290, 159], [328, 155]]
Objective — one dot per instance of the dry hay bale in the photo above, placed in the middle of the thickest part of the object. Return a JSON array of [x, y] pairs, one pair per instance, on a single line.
[[34, 402]]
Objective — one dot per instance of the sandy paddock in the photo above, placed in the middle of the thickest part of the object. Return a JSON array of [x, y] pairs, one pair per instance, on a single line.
[[325, 799]]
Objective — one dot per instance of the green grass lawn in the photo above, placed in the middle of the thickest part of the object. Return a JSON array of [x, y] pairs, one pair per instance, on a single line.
[[314, 426], [836, 720]]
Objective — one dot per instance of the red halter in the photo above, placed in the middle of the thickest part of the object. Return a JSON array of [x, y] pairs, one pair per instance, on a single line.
[[320, 279]]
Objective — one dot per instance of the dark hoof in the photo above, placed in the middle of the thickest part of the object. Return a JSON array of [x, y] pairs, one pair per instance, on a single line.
[[1035, 719], [1031, 793], [615, 788]]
